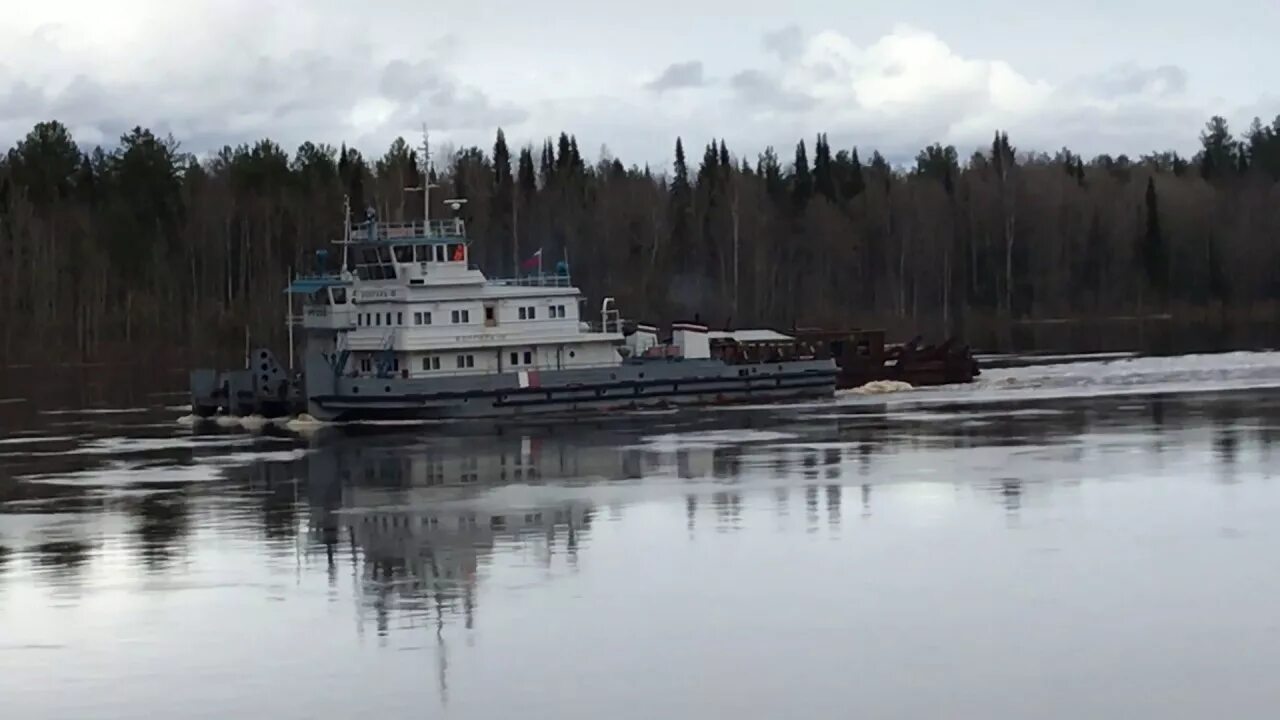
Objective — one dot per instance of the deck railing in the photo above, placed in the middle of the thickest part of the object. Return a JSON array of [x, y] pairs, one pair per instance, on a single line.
[[534, 281], [386, 231]]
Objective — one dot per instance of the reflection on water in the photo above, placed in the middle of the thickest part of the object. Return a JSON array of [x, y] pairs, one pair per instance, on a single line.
[[908, 559]]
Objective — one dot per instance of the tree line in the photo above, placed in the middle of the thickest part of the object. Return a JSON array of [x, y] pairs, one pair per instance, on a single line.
[[108, 253]]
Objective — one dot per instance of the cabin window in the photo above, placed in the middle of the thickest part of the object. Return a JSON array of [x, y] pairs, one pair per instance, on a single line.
[[430, 363], [339, 296], [395, 364], [528, 358], [466, 361], [488, 313], [524, 314], [422, 253], [515, 358], [560, 308], [360, 318], [457, 252], [439, 253], [533, 313], [404, 253], [377, 317], [426, 318], [417, 320], [399, 318], [456, 317], [384, 254], [366, 364], [388, 318]]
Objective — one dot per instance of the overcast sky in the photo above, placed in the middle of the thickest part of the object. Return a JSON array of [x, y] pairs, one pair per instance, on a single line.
[[1096, 75]]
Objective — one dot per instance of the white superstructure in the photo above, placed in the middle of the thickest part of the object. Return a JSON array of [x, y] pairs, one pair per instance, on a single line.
[[409, 304]]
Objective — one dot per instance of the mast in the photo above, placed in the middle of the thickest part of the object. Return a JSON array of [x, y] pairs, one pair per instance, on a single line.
[[346, 230], [425, 187]]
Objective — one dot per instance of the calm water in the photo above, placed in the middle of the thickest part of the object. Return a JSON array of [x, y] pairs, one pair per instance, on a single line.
[[1084, 540]]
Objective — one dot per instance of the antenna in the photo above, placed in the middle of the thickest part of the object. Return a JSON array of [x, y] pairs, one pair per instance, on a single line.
[[346, 230], [425, 187]]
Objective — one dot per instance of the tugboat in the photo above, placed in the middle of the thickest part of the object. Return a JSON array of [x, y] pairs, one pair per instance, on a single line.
[[409, 329]]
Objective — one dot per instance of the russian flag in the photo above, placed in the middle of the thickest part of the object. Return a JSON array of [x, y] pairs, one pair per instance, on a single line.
[[534, 262]]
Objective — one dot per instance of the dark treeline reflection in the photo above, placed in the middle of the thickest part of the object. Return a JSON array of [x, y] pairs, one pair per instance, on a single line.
[[104, 249], [162, 526], [419, 521]]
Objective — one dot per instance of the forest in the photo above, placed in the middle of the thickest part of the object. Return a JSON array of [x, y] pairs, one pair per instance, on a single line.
[[145, 249]]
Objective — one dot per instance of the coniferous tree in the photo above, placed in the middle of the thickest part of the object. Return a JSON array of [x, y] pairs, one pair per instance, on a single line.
[[1153, 252], [823, 172], [801, 179]]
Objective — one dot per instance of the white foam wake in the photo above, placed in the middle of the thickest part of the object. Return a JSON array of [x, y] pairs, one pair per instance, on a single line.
[[878, 387]]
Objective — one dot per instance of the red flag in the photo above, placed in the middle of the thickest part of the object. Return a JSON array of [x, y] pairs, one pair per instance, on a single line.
[[534, 262]]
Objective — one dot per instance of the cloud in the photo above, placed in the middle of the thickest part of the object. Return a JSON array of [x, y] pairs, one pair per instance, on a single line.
[[677, 76], [330, 72], [909, 88], [334, 93], [760, 90], [1131, 79], [786, 43]]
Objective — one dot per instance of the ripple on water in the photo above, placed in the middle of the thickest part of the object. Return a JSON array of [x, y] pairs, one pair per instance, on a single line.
[[96, 411]]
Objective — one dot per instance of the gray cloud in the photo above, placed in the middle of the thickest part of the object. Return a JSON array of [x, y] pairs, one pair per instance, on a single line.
[[760, 90], [677, 76], [305, 95], [1130, 79], [787, 43]]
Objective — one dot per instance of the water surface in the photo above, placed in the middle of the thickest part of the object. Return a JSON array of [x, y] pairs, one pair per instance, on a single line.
[[1080, 540]]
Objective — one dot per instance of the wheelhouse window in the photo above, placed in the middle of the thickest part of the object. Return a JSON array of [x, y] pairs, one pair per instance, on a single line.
[[339, 296], [422, 253], [457, 252], [439, 253], [404, 253]]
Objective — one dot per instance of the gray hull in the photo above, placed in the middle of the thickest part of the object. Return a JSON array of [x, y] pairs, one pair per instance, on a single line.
[[631, 385]]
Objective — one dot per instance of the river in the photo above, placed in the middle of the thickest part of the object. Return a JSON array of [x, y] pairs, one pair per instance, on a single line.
[[1088, 539]]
